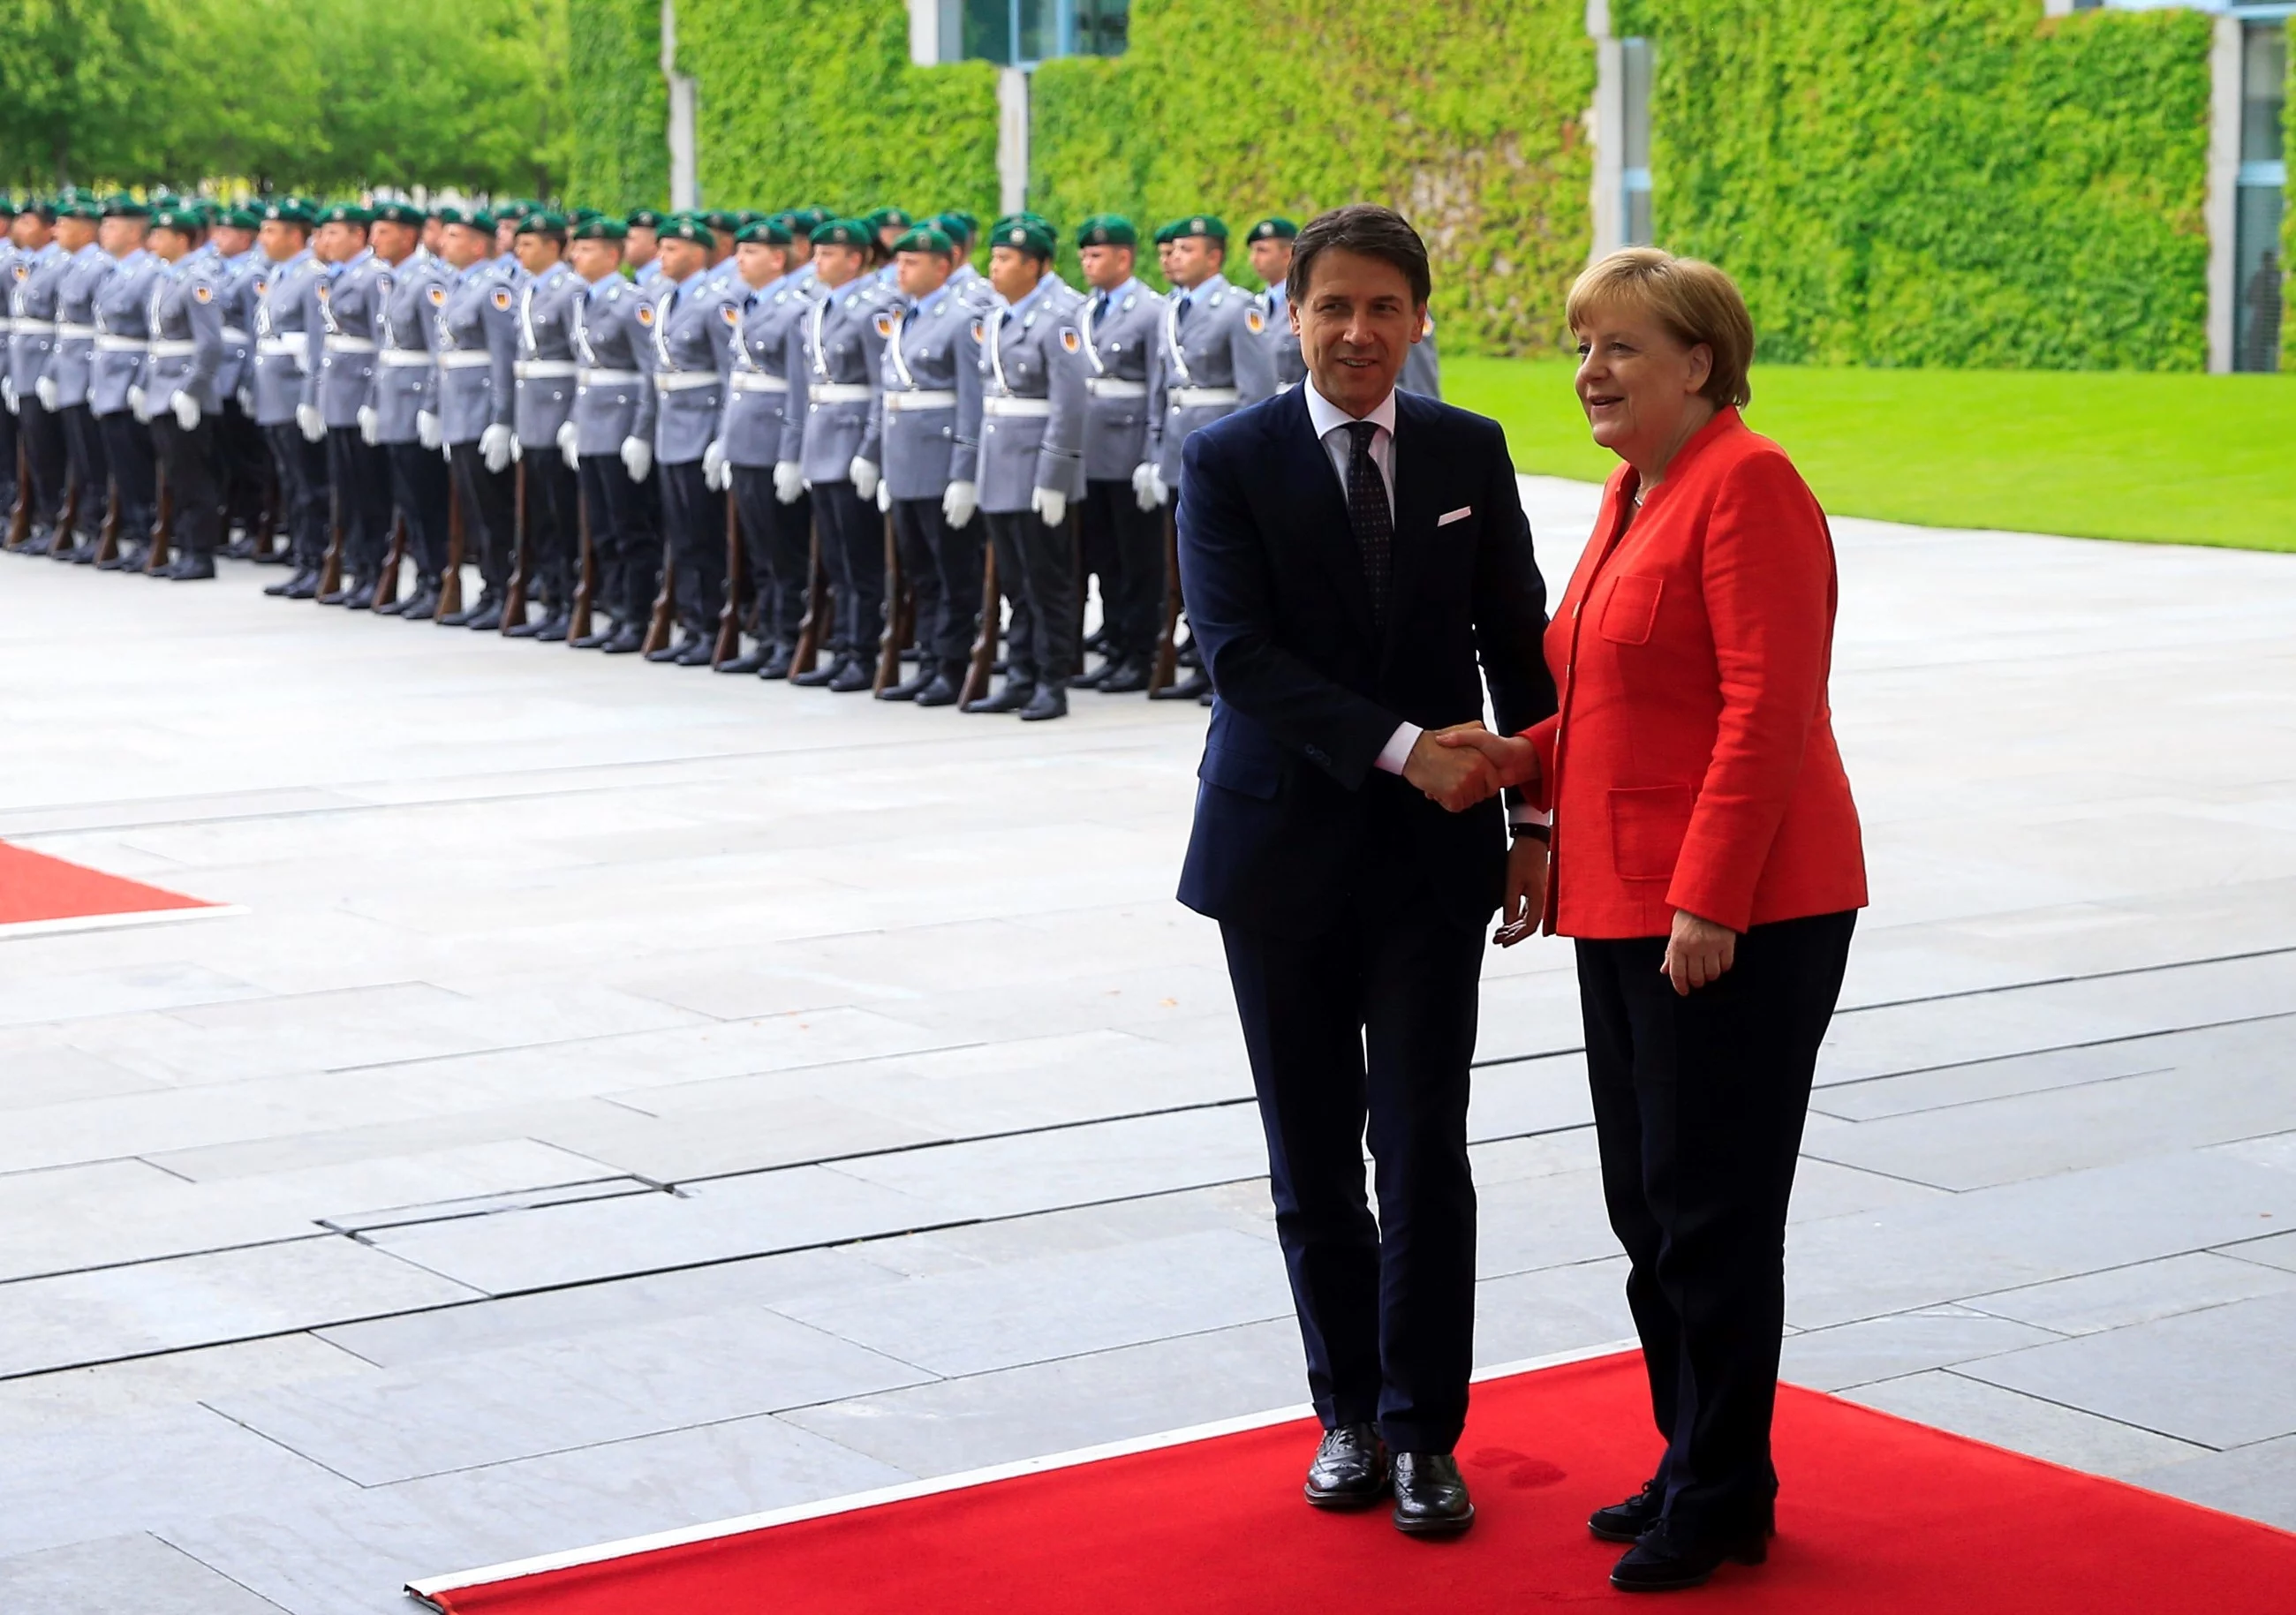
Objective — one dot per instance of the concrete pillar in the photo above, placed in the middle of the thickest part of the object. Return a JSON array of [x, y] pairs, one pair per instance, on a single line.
[[1012, 140], [925, 32], [2223, 211], [684, 177]]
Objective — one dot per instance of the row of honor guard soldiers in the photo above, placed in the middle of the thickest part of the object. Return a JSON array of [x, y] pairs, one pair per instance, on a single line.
[[844, 437]]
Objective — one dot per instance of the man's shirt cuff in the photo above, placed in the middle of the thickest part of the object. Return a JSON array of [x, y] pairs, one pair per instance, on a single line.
[[1398, 750]]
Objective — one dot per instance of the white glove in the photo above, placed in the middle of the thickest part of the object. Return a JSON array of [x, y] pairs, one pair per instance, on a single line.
[[569, 441], [1052, 506], [45, 388], [314, 423], [370, 425], [958, 501], [789, 481], [713, 466], [885, 497], [188, 409], [135, 403], [637, 458], [247, 400], [1161, 489], [428, 430], [863, 473], [8, 393], [496, 444], [1144, 486]]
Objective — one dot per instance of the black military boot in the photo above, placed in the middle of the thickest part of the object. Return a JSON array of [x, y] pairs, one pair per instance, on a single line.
[[628, 638], [947, 684], [915, 685], [557, 626], [822, 672], [489, 618], [777, 662], [748, 661], [698, 651], [1051, 701], [362, 598], [1013, 697], [187, 568], [424, 605], [1129, 676], [855, 675]]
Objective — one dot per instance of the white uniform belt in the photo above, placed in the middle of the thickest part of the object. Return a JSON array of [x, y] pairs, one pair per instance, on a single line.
[[836, 392], [74, 333], [611, 378], [404, 358], [173, 351], [119, 344], [350, 344], [26, 326], [465, 359], [1110, 387], [1198, 398], [684, 380], [544, 369], [1016, 407], [291, 346], [923, 399], [234, 334], [7, 325], [758, 381]]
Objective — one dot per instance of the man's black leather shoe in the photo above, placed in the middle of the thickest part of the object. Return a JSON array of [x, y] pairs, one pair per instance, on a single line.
[[394, 607], [597, 639], [1092, 680], [529, 629], [424, 606], [855, 675], [777, 663], [1051, 701], [188, 569], [1187, 689], [1012, 698], [555, 628], [1430, 1499], [362, 598], [1626, 1522], [1663, 1563], [822, 672], [306, 587], [915, 685], [748, 661], [697, 650], [943, 690], [128, 557], [629, 639], [487, 618], [1125, 677], [82, 554], [1349, 1469], [285, 587]]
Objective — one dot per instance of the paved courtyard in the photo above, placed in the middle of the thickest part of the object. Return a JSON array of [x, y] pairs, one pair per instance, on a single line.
[[634, 1097]]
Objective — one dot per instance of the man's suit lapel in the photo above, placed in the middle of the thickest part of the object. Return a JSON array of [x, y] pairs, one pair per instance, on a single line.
[[1323, 509], [1418, 474]]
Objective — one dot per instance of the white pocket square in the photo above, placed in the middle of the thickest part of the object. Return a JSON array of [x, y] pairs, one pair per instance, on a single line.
[[1461, 514]]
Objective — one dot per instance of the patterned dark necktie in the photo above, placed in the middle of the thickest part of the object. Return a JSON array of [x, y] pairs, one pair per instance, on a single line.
[[1369, 515]]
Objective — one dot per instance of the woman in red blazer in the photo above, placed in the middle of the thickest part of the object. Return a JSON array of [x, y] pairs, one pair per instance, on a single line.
[[1706, 860]]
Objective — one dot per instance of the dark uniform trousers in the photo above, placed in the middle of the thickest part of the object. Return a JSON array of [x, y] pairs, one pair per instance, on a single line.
[[853, 550], [86, 467], [489, 515], [553, 527], [624, 535], [8, 440], [128, 448], [418, 488], [1036, 573], [238, 448], [944, 565], [778, 541], [44, 452], [361, 479], [195, 499], [1126, 547], [693, 520], [302, 466], [1699, 1105]]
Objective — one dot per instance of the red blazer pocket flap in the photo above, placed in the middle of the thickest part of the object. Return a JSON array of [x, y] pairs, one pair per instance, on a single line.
[[1631, 611], [1648, 823]]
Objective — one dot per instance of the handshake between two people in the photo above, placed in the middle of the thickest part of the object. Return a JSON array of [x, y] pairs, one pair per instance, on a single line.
[[1466, 764]]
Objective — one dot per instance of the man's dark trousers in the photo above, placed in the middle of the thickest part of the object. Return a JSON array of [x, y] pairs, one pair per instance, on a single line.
[[693, 520], [194, 497], [1127, 544], [553, 527], [490, 514], [302, 492], [853, 549], [44, 452], [134, 474], [361, 479], [418, 488], [778, 541], [1035, 568], [238, 451], [624, 536], [87, 466], [944, 566]]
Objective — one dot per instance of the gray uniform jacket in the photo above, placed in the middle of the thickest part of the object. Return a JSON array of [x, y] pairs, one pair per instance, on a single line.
[[186, 351], [1119, 345], [690, 327], [927, 372], [32, 314], [345, 312], [1421, 373], [546, 366], [405, 371], [1027, 429], [755, 423], [474, 339], [1282, 346], [283, 302], [1212, 359], [123, 311], [834, 352], [613, 395], [238, 282], [85, 272]]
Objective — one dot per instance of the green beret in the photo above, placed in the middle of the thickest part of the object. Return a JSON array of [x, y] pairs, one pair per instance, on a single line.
[[686, 227], [210, 211], [542, 221], [465, 216], [513, 209], [1108, 230], [843, 232], [41, 207], [878, 218], [1277, 229], [1205, 224], [80, 207], [397, 213], [242, 218], [645, 218], [184, 219], [583, 215], [764, 233], [120, 205], [721, 219], [925, 238], [1033, 236], [347, 213], [813, 217], [600, 228], [958, 226], [7, 205]]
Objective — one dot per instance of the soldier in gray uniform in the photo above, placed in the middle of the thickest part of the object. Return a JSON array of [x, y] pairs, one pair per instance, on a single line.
[[401, 413], [123, 311], [642, 246], [1422, 373], [1212, 359], [241, 454], [339, 376], [544, 379], [38, 275], [283, 298], [8, 257], [180, 365], [613, 405], [1022, 457], [690, 317], [474, 340], [928, 373], [1122, 523], [776, 537], [62, 387], [1269, 244], [833, 359]]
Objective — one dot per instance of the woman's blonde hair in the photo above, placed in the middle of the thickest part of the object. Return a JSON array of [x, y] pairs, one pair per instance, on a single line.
[[1693, 299]]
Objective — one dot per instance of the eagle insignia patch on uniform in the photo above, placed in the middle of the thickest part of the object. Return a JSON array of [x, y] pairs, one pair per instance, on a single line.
[[502, 301], [1257, 321], [730, 315], [261, 287], [205, 294], [1070, 342], [645, 311], [979, 330], [326, 292], [884, 325], [438, 297]]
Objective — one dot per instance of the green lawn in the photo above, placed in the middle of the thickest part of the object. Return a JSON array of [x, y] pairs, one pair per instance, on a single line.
[[2177, 459]]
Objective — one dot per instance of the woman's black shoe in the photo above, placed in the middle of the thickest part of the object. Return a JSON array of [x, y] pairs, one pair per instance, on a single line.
[[1663, 1563], [1626, 1522]]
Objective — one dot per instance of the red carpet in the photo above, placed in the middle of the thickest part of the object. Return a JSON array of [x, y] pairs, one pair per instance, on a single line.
[[1880, 1517], [41, 893]]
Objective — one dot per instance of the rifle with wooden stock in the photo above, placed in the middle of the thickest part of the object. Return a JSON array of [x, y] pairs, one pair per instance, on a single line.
[[813, 627], [163, 530], [330, 568], [665, 604], [900, 613], [19, 514], [521, 555], [728, 647], [1166, 670], [107, 537], [386, 582], [983, 665], [585, 576], [450, 586]]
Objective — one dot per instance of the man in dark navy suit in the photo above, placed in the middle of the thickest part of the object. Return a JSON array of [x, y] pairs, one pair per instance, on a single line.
[[1350, 554]]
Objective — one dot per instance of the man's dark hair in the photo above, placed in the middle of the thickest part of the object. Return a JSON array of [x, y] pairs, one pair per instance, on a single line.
[[1364, 227]]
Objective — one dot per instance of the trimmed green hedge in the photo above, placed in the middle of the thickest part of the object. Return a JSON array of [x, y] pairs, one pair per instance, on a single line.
[[1939, 181], [621, 107], [806, 101], [1467, 116]]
